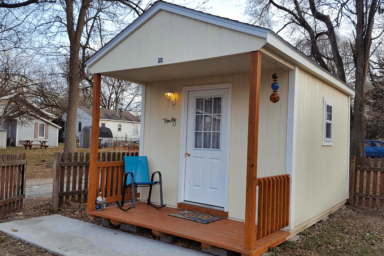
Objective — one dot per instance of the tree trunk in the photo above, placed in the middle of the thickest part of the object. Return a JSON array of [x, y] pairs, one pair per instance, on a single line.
[[73, 100], [358, 124]]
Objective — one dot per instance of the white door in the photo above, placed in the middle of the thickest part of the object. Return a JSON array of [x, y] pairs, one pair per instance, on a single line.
[[206, 155]]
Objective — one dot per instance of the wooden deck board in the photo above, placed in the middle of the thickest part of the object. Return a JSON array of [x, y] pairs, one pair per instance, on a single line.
[[226, 234]]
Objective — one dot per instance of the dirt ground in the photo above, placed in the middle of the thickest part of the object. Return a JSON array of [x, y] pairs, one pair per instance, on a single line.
[[352, 230]]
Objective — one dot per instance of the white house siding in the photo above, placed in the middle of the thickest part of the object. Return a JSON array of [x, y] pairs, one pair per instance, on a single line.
[[126, 129], [162, 141], [27, 132], [175, 38], [321, 171]]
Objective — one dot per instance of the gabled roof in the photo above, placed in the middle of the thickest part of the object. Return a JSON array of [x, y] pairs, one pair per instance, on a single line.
[[273, 41], [109, 114]]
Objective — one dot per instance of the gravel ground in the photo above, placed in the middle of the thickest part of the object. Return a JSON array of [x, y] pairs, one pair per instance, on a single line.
[[353, 230]]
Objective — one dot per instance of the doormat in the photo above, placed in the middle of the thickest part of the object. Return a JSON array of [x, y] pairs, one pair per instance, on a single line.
[[196, 216]]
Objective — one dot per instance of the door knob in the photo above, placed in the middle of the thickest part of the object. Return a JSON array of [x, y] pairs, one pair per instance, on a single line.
[[187, 154]]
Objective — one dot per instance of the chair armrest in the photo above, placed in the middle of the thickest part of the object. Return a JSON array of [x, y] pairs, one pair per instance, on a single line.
[[153, 175]]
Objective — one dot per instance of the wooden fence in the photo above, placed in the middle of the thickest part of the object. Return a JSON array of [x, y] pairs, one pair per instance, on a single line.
[[273, 207], [366, 182], [71, 172], [12, 182]]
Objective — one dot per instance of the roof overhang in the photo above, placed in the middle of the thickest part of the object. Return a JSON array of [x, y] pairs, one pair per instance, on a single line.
[[275, 48]]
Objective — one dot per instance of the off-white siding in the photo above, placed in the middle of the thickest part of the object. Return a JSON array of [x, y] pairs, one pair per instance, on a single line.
[[162, 141], [27, 132], [321, 171], [175, 38]]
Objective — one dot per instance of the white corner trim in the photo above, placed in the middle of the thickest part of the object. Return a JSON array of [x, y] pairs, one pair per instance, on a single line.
[[291, 139], [348, 144], [327, 142], [222, 22], [296, 57], [183, 134], [142, 120]]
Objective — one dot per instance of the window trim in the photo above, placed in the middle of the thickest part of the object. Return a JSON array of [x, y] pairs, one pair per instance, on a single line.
[[38, 131], [327, 141]]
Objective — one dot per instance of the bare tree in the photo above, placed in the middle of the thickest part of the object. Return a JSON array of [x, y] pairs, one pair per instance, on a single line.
[[15, 94], [320, 23], [115, 94]]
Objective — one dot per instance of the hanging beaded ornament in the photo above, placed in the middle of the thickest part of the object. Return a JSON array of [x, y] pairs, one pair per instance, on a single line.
[[275, 86]]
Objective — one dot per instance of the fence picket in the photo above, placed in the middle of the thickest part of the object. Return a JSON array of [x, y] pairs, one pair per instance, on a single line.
[[367, 186], [12, 192]]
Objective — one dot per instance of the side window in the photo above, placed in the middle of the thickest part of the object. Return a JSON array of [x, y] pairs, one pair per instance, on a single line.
[[328, 122], [377, 144], [102, 124], [79, 126], [368, 144], [119, 127], [41, 130]]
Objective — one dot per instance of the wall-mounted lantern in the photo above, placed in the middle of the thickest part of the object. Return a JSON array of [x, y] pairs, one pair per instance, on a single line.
[[170, 97]]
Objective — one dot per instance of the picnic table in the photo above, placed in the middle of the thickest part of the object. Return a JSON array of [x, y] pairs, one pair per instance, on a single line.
[[28, 144]]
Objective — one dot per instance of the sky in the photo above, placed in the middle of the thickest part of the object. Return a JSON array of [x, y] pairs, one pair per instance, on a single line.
[[232, 9]]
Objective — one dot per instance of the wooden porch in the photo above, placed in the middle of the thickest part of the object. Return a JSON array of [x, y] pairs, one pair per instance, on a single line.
[[271, 194], [225, 233]]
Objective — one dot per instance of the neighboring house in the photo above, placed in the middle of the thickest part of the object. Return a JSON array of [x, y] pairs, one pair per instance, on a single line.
[[37, 128], [123, 124], [34, 127], [231, 150]]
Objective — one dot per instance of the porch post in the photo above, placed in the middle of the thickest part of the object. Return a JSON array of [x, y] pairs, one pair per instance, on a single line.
[[253, 135], [92, 193]]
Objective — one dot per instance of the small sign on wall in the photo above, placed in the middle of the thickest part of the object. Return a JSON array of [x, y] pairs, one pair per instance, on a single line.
[[160, 60]]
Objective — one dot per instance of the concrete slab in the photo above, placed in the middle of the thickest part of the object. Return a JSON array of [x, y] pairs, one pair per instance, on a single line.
[[65, 236]]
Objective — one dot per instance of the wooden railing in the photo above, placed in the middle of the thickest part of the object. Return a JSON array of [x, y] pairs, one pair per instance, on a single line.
[[70, 179], [366, 182], [12, 182], [110, 174], [273, 207]]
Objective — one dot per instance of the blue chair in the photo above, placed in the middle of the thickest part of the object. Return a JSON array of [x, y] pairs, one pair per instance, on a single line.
[[137, 175]]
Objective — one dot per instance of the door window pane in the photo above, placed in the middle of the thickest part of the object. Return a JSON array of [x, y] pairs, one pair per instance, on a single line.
[[207, 123], [216, 140], [217, 105], [208, 106], [216, 123], [207, 140], [199, 106], [210, 124], [198, 139], [199, 123]]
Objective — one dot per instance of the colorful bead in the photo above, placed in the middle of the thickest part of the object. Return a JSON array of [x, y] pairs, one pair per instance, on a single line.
[[274, 97], [275, 86]]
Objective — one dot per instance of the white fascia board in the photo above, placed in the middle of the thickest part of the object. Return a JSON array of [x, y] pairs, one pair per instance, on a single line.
[[296, 57], [49, 122], [222, 22]]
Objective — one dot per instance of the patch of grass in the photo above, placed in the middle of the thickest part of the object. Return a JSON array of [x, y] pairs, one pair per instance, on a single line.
[[40, 161]]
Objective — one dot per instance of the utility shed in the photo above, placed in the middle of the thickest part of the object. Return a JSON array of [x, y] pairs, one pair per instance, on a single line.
[[3, 138], [232, 149]]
